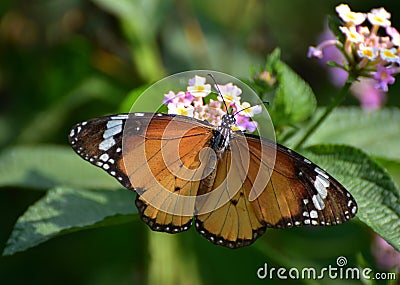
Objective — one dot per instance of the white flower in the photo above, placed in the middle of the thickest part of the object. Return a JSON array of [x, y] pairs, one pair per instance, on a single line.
[[230, 93], [379, 17], [197, 86], [348, 16], [247, 110], [180, 109], [352, 35], [390, 55], [368, 52]]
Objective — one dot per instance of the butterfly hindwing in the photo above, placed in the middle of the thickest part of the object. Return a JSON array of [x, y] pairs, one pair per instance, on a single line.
[[230, 220]]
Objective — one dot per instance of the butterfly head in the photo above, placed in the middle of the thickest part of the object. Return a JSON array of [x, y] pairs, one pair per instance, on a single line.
[[228, 120]]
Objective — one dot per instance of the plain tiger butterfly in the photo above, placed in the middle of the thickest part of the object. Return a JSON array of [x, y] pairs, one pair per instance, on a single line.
[[241, 185]]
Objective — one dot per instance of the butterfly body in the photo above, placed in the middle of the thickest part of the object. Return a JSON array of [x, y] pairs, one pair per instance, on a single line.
[[233, 185], [222, 135]]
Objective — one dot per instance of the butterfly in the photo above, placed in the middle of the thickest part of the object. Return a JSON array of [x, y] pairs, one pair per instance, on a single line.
[[231, 184]]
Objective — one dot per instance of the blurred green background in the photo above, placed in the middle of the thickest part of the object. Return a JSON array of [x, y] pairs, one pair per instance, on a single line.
[[62, 62]]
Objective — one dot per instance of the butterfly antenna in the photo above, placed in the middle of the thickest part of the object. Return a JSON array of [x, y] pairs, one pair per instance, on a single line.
[[219, 91], [262, 103]]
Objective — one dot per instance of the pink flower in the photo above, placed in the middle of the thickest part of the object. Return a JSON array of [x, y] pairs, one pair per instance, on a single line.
[[383, 76], [394, 34], [244, 123], [185, 97], [170, 97], [369, 96], [385, 255]]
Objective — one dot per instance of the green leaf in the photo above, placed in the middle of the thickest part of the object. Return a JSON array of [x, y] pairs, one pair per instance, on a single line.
[[377, 197], [377, 133], [392, 167], [44, 167], [64, 210], [294, 101]]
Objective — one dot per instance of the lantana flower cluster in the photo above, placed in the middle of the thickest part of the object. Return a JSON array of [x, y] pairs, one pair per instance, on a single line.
[[370, 52], [191, 103]]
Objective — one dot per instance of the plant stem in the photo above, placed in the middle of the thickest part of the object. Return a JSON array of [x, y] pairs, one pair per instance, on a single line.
[[336, 101]]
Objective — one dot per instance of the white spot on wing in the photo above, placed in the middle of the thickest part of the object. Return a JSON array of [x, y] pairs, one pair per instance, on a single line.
[[318, 202], [307, 161], [313, 214], [321, 172], [113, 123], [321, 184], [139, 114], [104, 157], [107, 144], [112, 131]]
